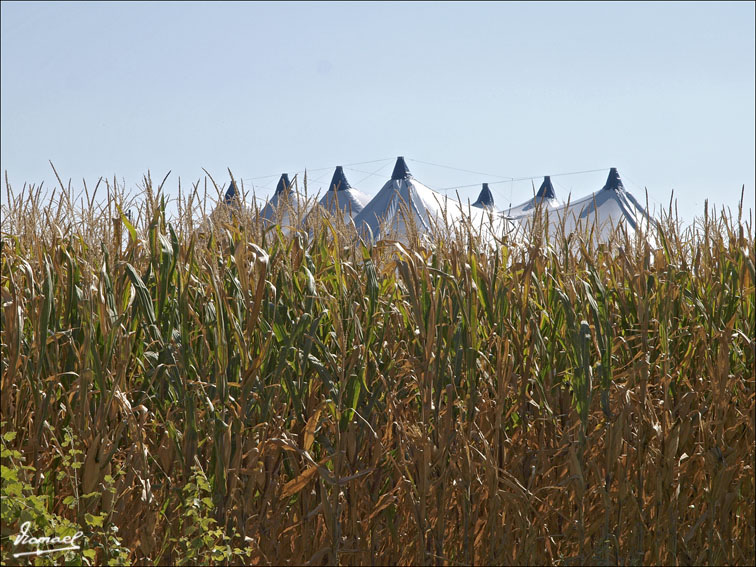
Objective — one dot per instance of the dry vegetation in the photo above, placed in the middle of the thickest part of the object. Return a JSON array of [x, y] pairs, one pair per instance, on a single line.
[[244, 396]]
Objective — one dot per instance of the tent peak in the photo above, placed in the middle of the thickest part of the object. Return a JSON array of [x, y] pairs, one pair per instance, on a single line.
[[284, 185], [613, 181], [546, 190], [339, 181], [485, 199], [231, 193], [401, 171]]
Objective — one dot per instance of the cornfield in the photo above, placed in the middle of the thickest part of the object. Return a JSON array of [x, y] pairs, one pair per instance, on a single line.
[[238, 395]]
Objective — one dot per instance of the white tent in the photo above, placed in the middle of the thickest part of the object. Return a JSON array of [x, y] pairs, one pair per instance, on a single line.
[[545, 198], [343, 197], [403, 202], [601, 213], [485, 199], [285, 205]]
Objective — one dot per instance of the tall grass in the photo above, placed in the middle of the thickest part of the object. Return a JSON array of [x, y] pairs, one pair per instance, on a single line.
[[238, 394]]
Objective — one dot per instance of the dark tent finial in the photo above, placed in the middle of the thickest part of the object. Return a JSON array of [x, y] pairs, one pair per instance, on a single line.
[[401, 171], [339, 181], [547, 190], [614, 182], [485, 199], [284, 185], [231, 194]]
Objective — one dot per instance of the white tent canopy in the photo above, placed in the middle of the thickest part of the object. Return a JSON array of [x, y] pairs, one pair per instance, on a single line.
[[403, 202], [545, 197], [342, 197], [601, 213], [284, 203], [405, 207]]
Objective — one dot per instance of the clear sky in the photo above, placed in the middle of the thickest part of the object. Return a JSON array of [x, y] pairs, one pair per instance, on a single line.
[[663, 91]]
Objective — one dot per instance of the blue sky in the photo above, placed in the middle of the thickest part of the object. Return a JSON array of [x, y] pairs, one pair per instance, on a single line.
[[663, 91]]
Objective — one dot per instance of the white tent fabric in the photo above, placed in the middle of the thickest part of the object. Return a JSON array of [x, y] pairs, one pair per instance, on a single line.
[[284, 203], [404, 202], [601, 213], [342, 197], [545, 198]]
